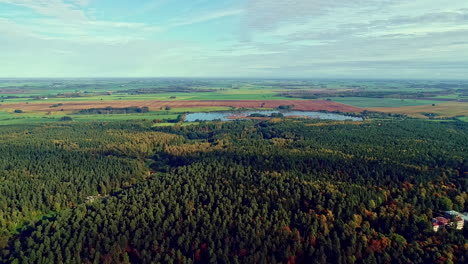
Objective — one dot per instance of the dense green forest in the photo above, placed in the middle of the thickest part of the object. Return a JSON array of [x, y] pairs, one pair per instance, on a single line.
[[111, 110], [276, 191]]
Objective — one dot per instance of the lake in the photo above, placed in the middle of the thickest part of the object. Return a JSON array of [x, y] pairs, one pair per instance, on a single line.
[[228, 116]]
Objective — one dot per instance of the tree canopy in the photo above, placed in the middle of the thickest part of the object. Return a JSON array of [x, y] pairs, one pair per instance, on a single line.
[[276, 191]]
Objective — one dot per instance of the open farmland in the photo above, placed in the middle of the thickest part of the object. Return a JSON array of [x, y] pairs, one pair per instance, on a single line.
[[305, 105], [41, 99], [450, 109], [382, 102]]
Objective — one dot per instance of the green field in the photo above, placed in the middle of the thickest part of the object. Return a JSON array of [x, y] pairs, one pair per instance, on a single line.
[[452, 96], [209, 89], [250, 95], [27, 118]]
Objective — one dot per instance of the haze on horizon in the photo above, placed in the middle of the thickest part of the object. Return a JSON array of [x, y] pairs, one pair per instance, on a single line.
[[226, 38]]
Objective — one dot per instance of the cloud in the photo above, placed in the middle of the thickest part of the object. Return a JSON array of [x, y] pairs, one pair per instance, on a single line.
[[394, 27], [288, 38], [82, 31], [31, 56], [52, 8], [391, 27], [267, 14], [206, 17]]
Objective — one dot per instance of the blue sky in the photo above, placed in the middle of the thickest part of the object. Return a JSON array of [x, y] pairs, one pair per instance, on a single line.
[[227, 38]]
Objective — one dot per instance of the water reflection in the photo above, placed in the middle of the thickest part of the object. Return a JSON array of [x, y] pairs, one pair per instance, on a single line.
[[226, 116]]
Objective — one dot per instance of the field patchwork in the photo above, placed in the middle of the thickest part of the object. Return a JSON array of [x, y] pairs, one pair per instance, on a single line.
[[305, 105]]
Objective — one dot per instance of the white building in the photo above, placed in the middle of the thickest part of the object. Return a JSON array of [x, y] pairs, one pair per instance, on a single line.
[[459, 223], [458, 219]]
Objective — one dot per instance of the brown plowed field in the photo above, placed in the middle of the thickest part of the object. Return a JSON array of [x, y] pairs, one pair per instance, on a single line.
[[306, 105]]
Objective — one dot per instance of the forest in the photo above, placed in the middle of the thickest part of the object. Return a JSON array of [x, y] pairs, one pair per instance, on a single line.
[[111, 110], [253, 191]]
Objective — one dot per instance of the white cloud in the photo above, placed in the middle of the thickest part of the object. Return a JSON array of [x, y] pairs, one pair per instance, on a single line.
[[206, 17], [267, 14], [89, 31], [291, 38], [51, 8]]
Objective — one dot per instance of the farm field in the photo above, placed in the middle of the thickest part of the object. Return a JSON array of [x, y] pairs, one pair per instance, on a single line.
[[252, 95], [43, 112], [381, 102], [48, 100], [450, 109], [15, 119], [451, 96], [306, 105]]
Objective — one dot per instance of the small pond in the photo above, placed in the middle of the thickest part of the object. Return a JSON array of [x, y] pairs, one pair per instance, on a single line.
[[227, 116]]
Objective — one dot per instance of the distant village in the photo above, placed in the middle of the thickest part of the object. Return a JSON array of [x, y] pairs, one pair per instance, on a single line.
[[451, 219]]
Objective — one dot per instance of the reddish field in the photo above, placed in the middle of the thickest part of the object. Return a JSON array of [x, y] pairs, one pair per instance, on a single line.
[[306, 105]]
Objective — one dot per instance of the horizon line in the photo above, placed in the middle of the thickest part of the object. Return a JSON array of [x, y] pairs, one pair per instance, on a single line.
[[239, 78]]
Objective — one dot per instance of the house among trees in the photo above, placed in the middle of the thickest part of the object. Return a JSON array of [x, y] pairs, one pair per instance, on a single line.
[[439, 222], [458, 217], [452, 219], [92, 199]]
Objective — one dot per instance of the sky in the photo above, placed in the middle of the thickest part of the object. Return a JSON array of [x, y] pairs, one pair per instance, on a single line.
[[397, 39]]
